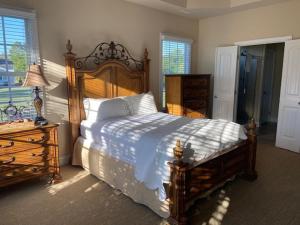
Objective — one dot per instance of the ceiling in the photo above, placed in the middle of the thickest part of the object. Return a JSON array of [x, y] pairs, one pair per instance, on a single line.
[[203, 8]]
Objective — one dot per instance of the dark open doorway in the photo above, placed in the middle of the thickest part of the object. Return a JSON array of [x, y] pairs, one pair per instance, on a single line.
[[260, 73]]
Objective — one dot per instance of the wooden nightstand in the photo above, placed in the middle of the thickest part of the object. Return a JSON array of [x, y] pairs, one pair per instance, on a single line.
[[27, 152]]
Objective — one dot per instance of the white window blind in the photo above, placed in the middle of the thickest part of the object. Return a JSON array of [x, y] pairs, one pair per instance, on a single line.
[[18, 49], [175, 58]]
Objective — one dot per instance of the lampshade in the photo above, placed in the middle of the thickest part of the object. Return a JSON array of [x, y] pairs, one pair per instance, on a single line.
[[35, 77]]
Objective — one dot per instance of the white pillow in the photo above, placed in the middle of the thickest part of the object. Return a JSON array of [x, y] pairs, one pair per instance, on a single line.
[[141, 104], [91, 107], [101, 109]]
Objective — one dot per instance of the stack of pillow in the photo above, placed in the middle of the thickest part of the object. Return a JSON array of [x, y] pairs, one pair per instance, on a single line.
[[101, 109]]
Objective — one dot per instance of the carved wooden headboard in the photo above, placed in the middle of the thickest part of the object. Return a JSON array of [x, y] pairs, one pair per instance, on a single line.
[[109, 71]]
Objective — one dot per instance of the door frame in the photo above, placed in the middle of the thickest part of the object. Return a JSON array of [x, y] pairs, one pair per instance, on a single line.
[[264, 41]]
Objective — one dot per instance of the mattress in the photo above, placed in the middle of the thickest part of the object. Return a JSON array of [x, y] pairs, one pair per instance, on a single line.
[[146, 142]]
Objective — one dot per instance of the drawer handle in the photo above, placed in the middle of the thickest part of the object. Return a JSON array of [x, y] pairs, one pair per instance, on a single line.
[[10, 144], [42, 140], [38, 169], [8, 161], [43, 154], [8, 175]]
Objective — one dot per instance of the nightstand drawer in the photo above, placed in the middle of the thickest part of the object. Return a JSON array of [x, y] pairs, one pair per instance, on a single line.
[[23, 172], [25, 141], [25, 158], [28, 151]]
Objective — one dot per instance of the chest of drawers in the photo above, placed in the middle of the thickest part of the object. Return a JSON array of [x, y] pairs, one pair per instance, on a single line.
[[188, 95], [28, 152]]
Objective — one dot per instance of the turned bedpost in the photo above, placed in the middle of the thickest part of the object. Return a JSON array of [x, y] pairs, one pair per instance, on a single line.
[[251, 173], [178, 188], [73, 94], [146, 70]]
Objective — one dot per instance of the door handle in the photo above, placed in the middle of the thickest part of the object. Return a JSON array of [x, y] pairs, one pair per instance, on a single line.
[[298, 103], [217, 97]]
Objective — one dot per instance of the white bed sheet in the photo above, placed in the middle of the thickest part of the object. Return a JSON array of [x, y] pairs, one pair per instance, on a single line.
[[147, 141]]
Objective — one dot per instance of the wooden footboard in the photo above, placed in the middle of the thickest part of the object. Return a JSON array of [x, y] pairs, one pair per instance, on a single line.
[[188, 182]]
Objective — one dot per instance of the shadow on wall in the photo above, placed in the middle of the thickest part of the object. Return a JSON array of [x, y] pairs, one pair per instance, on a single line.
[[56, 105]]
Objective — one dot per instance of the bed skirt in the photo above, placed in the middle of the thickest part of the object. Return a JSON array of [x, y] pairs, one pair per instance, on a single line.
[[118, 174]]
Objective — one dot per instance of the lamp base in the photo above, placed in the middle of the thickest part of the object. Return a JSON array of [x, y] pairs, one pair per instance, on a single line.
[[38, 104], [40, 121]]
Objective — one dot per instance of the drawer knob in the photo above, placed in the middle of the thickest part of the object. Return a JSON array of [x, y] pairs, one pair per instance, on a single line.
[[8, 161], [10, 144]]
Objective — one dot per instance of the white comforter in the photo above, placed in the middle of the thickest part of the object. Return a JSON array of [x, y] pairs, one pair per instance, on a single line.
[[147, 141]]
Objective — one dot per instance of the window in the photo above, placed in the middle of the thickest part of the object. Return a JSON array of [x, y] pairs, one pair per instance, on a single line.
[[18, 48], [175, 58]]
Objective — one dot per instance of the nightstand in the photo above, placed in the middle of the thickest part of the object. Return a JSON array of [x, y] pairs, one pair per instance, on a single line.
[[28, 152]]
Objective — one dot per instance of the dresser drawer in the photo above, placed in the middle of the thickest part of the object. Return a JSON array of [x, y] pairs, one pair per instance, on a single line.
[[10, 144], [195, 93], [17, 174], [191, 82], [196, 104], [24, 158], [197, 113], [28, 151]]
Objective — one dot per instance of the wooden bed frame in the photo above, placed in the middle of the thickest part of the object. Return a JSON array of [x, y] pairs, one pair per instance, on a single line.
[[110, 71]]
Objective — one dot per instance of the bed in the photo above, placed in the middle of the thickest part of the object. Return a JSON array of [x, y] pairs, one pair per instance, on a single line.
[[180, 175]]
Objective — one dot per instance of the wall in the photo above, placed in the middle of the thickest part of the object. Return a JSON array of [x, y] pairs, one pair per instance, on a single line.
[[87, 23], [280, 19], [17, 4]]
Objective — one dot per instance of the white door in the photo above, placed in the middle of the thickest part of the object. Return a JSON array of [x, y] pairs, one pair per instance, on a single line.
[[224, 82], [288, 131]]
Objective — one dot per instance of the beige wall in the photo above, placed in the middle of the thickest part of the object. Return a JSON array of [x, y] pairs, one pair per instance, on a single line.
[[87, 23], [280, 19], [17, 4]]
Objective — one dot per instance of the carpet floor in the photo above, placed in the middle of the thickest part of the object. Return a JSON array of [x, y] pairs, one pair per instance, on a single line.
[[81, 199]]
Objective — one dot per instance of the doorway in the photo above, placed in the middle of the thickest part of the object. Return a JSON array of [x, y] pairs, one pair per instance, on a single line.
[[264, 99], [259, 83]]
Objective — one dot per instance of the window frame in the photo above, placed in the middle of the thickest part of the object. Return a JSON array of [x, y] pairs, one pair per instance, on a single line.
[[31, 35], [171, 37]]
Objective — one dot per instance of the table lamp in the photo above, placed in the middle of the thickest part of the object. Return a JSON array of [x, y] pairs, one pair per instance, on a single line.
[[35, 78]]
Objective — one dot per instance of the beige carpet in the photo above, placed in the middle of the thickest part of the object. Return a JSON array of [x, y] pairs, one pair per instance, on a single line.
[[81, 199]]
